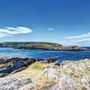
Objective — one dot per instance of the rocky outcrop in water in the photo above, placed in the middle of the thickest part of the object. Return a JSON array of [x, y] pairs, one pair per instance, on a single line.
[[9, 65]]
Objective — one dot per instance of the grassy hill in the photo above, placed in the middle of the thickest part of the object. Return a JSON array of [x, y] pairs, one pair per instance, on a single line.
[[33, 45], [41, 45]]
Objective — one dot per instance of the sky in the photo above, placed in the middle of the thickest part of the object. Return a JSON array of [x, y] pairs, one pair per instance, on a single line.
[[61, 21]]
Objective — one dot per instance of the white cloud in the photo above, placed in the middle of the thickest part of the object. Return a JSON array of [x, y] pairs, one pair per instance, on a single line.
[[7, 31], [86, 35], [51, 29], [3, 35], [83, 40], [79, 39]]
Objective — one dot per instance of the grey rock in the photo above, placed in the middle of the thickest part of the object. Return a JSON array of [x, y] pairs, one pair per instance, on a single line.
[[9, 83]]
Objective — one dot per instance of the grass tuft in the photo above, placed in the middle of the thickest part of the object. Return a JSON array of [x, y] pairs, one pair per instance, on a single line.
[[39, 67]]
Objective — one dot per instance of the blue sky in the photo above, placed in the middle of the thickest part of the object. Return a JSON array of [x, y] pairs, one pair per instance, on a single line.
[[62, 21]]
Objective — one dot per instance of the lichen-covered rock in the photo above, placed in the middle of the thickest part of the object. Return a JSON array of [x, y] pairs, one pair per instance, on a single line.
[[9, 83], [51, 73], [70, 75]]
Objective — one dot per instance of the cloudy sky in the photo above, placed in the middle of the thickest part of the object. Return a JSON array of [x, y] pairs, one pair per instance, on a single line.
[[62, 21]]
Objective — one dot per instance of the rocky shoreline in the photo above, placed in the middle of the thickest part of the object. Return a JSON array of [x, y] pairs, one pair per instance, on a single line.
[[48, 75], [9, 65]]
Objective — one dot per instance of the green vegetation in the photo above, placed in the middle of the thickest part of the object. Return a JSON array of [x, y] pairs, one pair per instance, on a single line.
[[41, 45], [39, 67], [32, 45]]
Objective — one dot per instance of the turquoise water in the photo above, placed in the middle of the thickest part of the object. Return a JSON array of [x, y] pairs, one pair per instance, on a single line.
[[60, 55]]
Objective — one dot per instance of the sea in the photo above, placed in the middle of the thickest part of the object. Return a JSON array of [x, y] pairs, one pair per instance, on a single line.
[[43, 54]]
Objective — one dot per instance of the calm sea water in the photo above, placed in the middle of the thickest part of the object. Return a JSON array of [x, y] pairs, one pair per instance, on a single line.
[[61, 55]]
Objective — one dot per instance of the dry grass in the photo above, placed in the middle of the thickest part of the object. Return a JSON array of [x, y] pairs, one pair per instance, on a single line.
[[33, 71], [44, 83], [3, 65]]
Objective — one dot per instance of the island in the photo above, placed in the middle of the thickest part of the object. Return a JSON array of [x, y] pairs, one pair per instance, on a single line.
[[43, 46]]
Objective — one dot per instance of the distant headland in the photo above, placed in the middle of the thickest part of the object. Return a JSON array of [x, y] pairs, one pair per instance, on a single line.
[[42, 45]]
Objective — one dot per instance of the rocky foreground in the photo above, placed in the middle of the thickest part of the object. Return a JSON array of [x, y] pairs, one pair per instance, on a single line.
[[68, 75]]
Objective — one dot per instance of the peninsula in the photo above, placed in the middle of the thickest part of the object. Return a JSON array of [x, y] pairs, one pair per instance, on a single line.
[[42, 45]]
